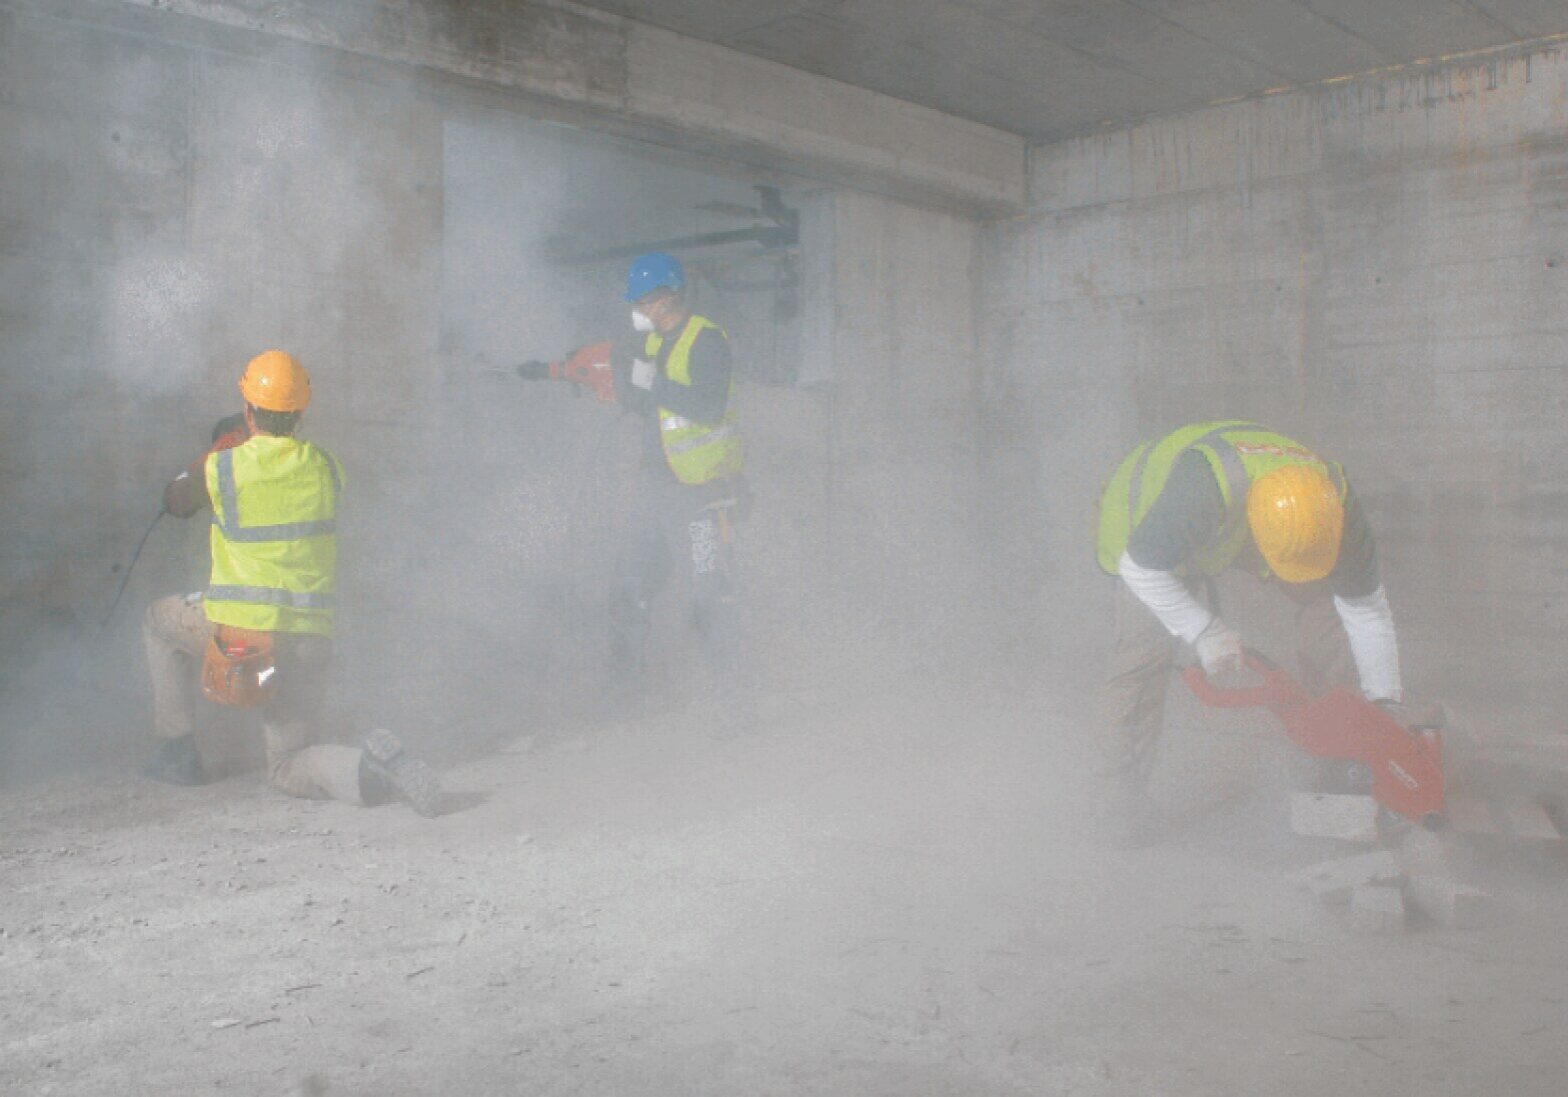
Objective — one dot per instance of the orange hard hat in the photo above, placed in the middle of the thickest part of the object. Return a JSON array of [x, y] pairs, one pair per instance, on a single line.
[[1297, 519], [274, 381]]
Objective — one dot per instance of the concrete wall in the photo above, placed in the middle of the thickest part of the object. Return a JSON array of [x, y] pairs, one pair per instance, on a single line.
[[172, 203], [611, 73], [901, 430], [1380, 268]]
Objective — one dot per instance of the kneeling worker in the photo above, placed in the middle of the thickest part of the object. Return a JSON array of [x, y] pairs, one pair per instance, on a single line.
[[1186, 507], [274, 499]]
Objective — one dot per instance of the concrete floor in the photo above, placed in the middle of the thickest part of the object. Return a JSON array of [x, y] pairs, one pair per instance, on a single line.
[[887, 896]]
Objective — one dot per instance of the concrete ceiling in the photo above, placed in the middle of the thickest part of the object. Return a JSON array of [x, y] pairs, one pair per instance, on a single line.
[[1049, 69]]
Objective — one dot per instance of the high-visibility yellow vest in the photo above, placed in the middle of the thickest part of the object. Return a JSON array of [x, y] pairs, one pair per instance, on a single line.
[[696, 452], [1238, 453], [274, 535]]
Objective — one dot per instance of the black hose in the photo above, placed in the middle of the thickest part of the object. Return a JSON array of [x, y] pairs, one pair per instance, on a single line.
[[135, 556]]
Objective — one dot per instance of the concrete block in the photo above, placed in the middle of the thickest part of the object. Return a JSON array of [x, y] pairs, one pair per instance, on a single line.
[[1332, 882], [1448, 903], [1346, 818], [1432, 886], [1425, 853], [1376, 908]]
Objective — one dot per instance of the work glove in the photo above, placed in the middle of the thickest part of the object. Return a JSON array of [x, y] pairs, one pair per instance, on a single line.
[[534, 370], [170, 486], [1219, 650], [642, 374]]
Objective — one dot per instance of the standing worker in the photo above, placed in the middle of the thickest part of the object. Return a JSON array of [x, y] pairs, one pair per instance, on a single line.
[[1179, 511], [679, 379], [266, 619]]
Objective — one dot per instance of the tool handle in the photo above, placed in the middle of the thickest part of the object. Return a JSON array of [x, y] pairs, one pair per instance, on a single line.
[[1276, 690]]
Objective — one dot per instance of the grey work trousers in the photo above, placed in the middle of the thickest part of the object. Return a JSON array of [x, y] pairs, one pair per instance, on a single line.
[[678, 529], [176, 632], [1132, 700]]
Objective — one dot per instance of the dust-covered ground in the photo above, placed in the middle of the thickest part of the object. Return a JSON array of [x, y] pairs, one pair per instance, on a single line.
[[891, 895]]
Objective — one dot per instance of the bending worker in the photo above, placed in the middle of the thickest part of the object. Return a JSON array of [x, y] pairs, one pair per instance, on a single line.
[[678, 378], [1186, 507], [274, 500]]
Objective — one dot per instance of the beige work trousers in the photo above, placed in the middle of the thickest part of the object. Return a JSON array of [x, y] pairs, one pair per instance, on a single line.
[[1132, 701], [176, 632]]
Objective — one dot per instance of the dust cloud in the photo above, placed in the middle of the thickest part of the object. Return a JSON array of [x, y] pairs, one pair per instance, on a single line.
[[889, 878], [411, 243]]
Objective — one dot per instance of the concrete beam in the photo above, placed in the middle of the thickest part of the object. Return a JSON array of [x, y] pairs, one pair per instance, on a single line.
[[825, 128], [628, 77]]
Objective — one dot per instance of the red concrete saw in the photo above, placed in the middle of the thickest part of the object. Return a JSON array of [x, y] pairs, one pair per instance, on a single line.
[[1406, 766]]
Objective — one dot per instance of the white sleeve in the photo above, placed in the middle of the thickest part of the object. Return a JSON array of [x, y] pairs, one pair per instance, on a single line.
[[1370, 625], [1168, 597]]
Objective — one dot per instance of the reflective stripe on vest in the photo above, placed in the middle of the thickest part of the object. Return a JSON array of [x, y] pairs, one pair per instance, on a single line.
[[274, 543], [679, 446], [697, 453], [1235, 459]]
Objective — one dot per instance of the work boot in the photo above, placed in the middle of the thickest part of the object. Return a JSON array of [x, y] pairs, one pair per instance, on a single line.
[[175, 762], [385, 772]]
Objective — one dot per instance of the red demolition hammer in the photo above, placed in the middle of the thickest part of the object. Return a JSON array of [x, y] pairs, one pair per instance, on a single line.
[[589, 367]]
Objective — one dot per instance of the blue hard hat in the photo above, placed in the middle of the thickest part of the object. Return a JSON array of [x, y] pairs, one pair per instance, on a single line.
[[653, 271]]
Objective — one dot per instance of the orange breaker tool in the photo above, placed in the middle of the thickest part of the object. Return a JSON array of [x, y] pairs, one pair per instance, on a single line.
[[1406, 766], [589, 367]]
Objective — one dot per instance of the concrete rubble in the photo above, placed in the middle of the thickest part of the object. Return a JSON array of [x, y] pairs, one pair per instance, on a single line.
[[1377, 908], [1448, 904], [1433, 890], [1385, 889], [1332, 882]]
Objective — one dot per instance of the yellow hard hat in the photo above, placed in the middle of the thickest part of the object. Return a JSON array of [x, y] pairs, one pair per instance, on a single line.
[[276, 382], [1297, 519]]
